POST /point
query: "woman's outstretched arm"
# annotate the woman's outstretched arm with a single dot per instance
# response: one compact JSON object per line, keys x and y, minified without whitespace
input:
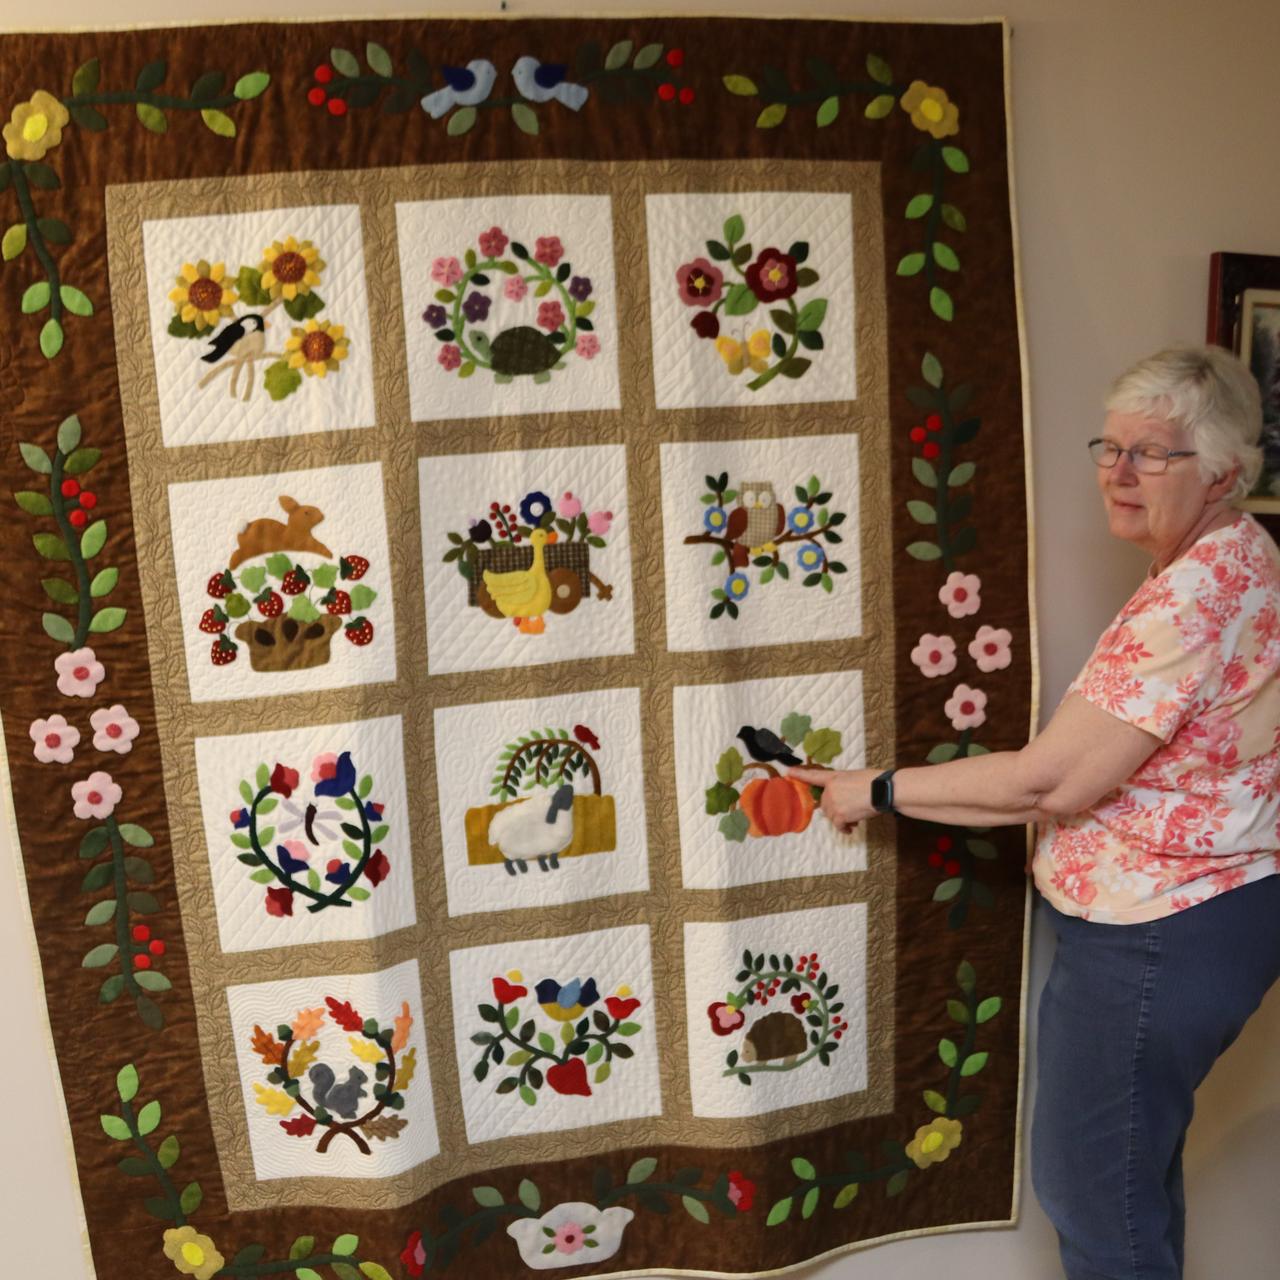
{"x":1083,"y":753}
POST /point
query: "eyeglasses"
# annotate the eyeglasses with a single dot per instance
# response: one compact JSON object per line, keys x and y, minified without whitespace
{"x":1150,"y":459}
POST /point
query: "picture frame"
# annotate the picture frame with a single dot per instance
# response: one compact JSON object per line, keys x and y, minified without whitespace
{"x":1244,"y":317}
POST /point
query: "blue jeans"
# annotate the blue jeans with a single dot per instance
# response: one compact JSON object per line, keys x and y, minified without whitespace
{"x":1131,"y":1019}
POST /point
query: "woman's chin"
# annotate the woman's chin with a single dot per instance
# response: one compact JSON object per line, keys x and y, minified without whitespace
{"x":1126,"y":521}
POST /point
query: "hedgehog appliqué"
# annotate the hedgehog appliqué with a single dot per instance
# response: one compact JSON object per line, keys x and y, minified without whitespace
{"x":777,"y":1037}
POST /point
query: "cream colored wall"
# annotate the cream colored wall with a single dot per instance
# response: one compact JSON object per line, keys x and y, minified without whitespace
{"x":1145,"y":138}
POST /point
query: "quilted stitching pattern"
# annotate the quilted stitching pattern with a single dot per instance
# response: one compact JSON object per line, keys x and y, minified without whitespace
{"x":780,"y":612}
{"x":461,"y":487}
{"x":441,"y":229}
{"x":276,"y":1154}
{"x":469,"y":742}
{"x":244,"y":924}
{"x":191,"y":414}
{"x":614,"y":958}
{"x":687,"y":373}
{"x":713,"y":955}
{"x":207,"y":516}
{"x":707,"y":720}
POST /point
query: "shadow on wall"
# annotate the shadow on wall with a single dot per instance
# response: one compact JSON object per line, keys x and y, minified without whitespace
{"x":1238,"y":1130}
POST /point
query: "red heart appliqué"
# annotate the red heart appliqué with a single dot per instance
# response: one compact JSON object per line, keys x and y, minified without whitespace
{"x":569,"y":1077}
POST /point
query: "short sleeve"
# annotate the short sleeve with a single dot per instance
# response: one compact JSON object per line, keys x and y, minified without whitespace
{"x":1160,"y":662}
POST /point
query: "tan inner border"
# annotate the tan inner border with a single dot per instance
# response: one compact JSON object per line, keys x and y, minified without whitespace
{"x":397,"y":443}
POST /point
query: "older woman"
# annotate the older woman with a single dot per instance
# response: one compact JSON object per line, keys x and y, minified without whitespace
{"x":1155,"y":789}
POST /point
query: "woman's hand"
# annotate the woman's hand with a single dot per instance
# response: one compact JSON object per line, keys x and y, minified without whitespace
{"x":846,"y":794}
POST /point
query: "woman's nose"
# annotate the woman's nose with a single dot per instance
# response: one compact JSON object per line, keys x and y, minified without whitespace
{"x":1124,"y":472}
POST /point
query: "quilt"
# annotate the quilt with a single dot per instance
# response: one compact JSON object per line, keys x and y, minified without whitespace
{"x":401,"y":666}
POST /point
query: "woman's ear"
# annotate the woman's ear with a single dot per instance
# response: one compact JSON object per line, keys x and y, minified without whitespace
{"x":1223,"y":485}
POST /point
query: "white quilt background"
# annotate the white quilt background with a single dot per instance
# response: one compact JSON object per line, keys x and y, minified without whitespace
{"x":469,"y":740}
{"x":341,"y":400}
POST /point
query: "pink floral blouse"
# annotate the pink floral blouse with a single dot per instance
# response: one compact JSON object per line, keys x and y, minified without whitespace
{"x":1193,"y":658}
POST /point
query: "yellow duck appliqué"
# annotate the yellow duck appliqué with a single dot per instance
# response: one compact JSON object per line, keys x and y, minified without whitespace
{"x":524,"y":594}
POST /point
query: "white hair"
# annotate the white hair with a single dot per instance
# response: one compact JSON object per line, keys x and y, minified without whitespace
{"x":1212,"y":394}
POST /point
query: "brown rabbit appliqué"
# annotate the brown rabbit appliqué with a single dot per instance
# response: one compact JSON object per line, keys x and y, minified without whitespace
{"x":263,"y":535}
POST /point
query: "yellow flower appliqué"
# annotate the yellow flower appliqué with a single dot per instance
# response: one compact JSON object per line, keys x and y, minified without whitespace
{"x":35,"y":126}
{"x":192,"y":1253}
{"x":290,"y":269}
{"x":318,"y":348}
{"x":930,"y":109}
{"x":202,"y":297}
{"x":934,"y":1141}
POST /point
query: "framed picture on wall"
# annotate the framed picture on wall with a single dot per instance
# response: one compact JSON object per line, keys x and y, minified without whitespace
{"x":1244,"y":316}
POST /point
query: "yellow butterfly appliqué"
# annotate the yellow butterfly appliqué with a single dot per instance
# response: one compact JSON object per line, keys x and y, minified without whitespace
{"x":737,"y":356}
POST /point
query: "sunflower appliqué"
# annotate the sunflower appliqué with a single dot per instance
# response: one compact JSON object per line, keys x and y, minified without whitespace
{"x":232,"y":313}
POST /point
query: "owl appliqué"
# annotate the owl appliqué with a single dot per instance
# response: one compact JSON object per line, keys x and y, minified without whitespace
{"x":757,"y":519}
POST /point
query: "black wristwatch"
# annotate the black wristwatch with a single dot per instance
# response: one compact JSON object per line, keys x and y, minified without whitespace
{"x":882,"y":792}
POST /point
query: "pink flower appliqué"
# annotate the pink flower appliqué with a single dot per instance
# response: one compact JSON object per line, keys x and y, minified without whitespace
{"x":324,"y":766}
{"x":700,"y":283}
{"x":548,"y":250}
{"x":79,"y":673}
{"x":446,"y":271}
{"x":569,"y":506}
{"x":297,"y":851}
{"x":54,"y":739}
{"x":569,"y":1238}
{"x":966,"y":707}
{"x":515,"y":288}
{"x":114,"y":729}
{"x":599,"y":521}
{"x":961,"y":593}
{"x":550,"y":316}
{"x":588,"y":346}
{"x":96,"y":797}
{"x":450,"y":357}
{"x":492,"y":242}
{"x":935,"y":655}
{"x":990,"y":648}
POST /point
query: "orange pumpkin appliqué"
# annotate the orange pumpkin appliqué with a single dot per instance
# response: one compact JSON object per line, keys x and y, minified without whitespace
{"x":775,"y":806}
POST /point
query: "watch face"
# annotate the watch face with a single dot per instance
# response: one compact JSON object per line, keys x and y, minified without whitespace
{"x":880,"y":800}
